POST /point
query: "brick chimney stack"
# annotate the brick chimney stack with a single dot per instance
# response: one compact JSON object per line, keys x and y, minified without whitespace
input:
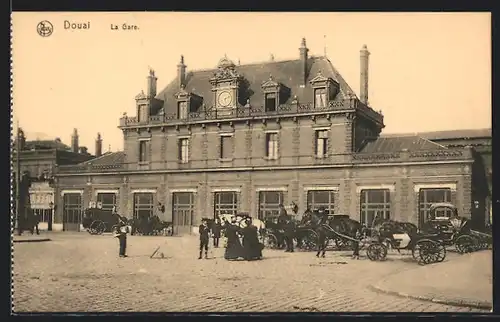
{"x":363,"y":91}
{"x":181,"y":72}
{"x":74,"y":141}
{"x":98,"y":145}
{"x":22,"y":139}
{"x":303,"y":58}
{"x":152,"y":83}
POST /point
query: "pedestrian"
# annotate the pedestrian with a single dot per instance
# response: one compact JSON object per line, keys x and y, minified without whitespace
{"x":252,"y":248}
{"x":204,"y":238}
{"x":234,"y":249}
{"x":358,"y":238}
{"x":216,"y":230}
{"x":289,"y":234}
{"x":121,"y":234}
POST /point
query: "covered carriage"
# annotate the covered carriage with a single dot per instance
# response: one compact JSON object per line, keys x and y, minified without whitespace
{"x":455,"y":230}
{"x":98,"y":221}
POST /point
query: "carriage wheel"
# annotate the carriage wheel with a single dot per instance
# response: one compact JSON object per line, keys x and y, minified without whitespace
{"x":270,"y":241}
{"x":428,"y":251}
{"x":98,"y":226}
{"x":465,"y":244}
{"x":376,"y":252}
{"x":310,"y":240}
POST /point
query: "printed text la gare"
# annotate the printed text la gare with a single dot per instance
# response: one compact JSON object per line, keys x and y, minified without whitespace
{"x":124,"y":26}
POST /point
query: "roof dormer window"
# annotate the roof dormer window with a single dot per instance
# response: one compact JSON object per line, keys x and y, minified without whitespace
{"x":186,"y":103}
{"x":270,"y":103}
{"x":272,"y":90}
{"x":182,"y":110}
{"x":325,"y":90}
{"x":320,"y":99}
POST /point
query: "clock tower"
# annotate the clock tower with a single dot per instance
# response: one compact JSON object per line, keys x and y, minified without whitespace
{"x":225,"y":85}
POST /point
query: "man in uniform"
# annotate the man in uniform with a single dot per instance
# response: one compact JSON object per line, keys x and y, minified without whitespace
{"x":204,"y":232}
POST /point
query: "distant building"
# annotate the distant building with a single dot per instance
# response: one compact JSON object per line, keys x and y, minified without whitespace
{"x":249,"y":137}
{"x":38,"y":158}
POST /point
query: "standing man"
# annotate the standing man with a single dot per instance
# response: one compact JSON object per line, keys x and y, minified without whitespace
{"x":121,"y":234}
{"x":289,"y":234}
{"x":216,"y":230}
{"x":204,"y":238}
{"x":282,"y":215}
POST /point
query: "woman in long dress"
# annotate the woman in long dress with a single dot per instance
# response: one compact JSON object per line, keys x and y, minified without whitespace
{"x":251,"y":245}
{"x":233,"y":248}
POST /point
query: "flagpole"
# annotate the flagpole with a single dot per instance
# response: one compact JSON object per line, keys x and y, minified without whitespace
{"x":18,"y":174}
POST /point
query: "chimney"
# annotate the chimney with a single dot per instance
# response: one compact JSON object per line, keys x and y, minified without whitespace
{"x":181,"y":72}
{"x":22,"y":139}
{"x":74,"y":141}
{"x":98,"y":145}
{"x":152,"y":83}
{"x":303,"y":58}
{"x":363,"y":91}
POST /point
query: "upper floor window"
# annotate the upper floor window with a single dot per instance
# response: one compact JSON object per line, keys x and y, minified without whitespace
{"x":142,"y":115}
{"x":321,"y":143}
{"x":143,"y":151}
{"x":320,"y":97}
{"x":182,"y":110}
{"x":272,"y":145}
{"x":184,"y":150}
{"x":226,"y":147}
{"x":270,"y":103}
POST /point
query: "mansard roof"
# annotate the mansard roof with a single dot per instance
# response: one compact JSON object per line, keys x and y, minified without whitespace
{"x":288,"y":73}
{"x":391,"y":144}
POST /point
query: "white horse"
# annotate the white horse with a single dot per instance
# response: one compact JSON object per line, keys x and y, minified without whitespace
{"x":241,"y":222}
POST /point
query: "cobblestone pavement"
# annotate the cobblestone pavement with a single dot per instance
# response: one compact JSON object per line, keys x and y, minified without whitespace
{"x":80,"y":272}
{"x":474,"y":290}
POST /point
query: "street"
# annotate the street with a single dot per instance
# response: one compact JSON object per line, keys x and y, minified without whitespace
{"x":79,"y":272}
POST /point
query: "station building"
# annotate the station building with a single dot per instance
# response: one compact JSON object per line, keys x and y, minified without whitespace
{"x":245,"y":138}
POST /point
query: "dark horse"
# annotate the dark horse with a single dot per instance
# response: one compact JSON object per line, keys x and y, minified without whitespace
{"x":336,"y":227}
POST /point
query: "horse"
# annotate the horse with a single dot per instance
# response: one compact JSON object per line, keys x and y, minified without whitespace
{"x":338,"y":228}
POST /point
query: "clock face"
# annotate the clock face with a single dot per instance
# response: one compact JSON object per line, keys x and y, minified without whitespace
{"x":225,"y":98}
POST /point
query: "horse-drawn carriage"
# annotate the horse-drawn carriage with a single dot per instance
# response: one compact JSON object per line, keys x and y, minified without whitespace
{"x":455,"y":230}
{"x":150,"y":226}
{"x":426,"y":248}
{"x":98,"y":221}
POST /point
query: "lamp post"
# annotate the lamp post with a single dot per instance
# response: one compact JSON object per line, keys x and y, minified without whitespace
{"x":51,"y":217}
{"x":18,"y":177}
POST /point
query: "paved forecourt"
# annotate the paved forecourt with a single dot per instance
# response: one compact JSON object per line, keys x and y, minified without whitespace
{"x":80,"y":272}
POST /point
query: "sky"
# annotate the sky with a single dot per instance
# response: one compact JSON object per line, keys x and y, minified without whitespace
{"x":428,"y":71}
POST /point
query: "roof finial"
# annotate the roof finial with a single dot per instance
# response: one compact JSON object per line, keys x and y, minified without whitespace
{"x":239,"y":63}
{"x":182,"y":59}
{"x":272,"y":57}
{"x":303,"y":43}
{"x":109,"y":148}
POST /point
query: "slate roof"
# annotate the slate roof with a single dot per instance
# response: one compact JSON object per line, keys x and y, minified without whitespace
{"x":286,"y":72}
{"x":400,"y":143}
{"x":447,"y":135}
{"x":456,"y":134}
{"x":108,"y":158}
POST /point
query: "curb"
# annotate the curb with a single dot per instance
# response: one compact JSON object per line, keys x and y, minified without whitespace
{"x":32,"y":240}
{"x":461,"y":303}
